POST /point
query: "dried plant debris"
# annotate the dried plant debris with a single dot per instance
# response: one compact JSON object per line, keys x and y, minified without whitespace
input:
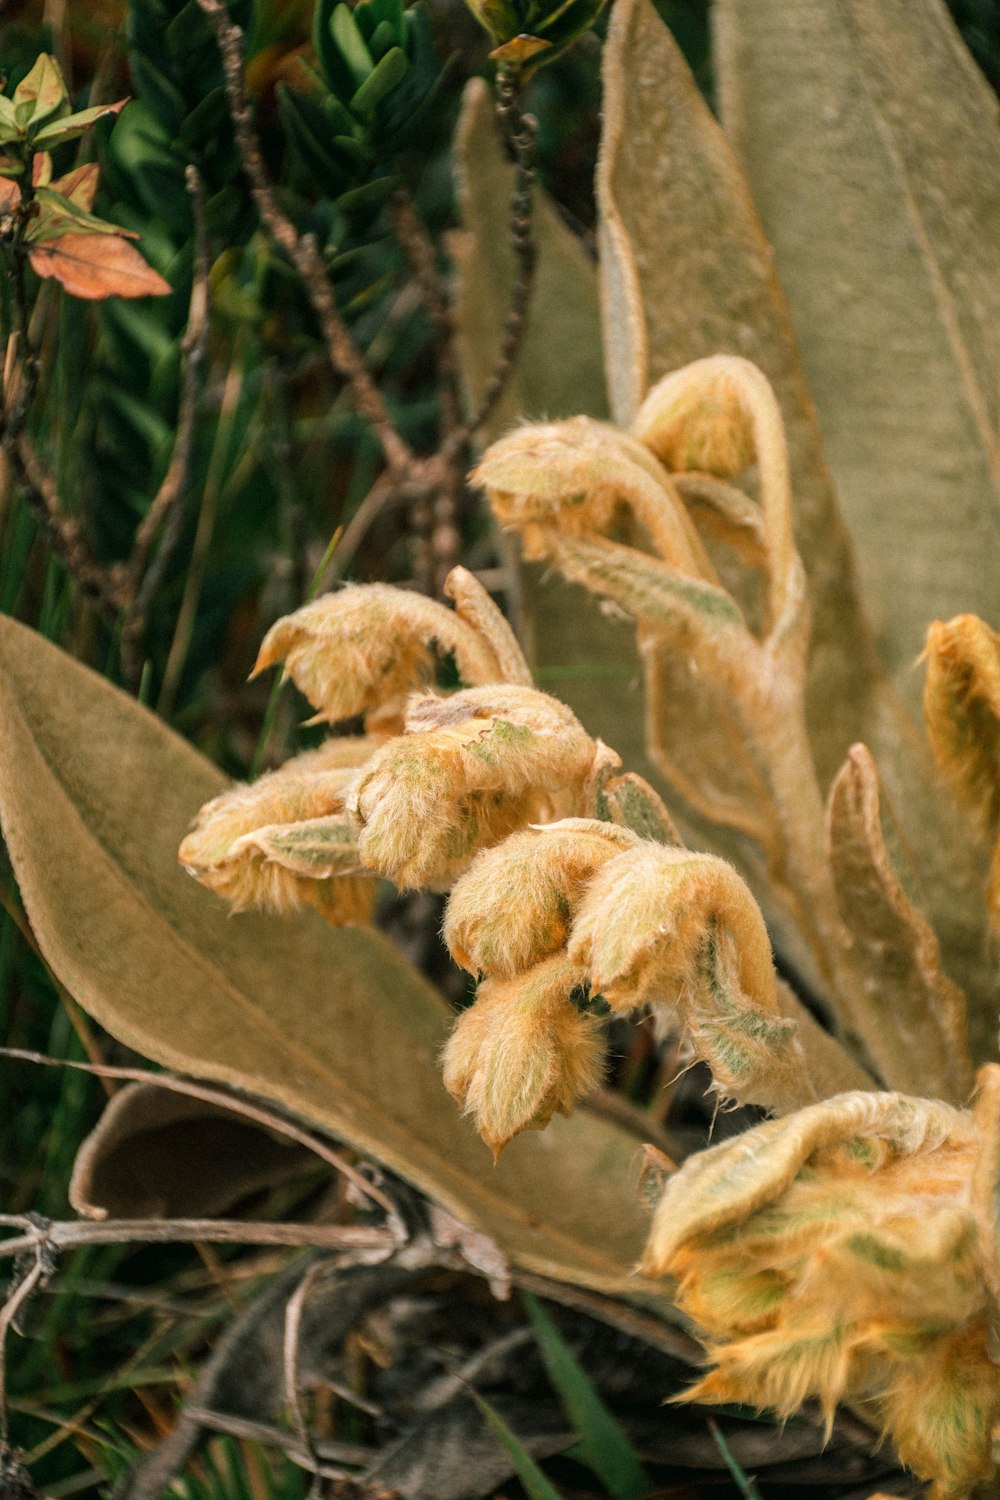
{"x":427,"y":1339}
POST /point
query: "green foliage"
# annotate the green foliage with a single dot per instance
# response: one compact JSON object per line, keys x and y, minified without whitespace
{"x":604,"y":1447}
{"x":377,"y":78}
{"x":536,"y":1486}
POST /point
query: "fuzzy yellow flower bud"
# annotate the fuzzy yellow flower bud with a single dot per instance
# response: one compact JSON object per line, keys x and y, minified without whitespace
{"x":572,"y":478}
{"x":286,"y":841}
{"x":839,"y":1253}
{"x":514,"y":904}
{"x":698,"y":417}
{"x":368,"y":646}
{"x":681,"y":932}
{"x":523,"y":1052}
{"x":469,"y":770}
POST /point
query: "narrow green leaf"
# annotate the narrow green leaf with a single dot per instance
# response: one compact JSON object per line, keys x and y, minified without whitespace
{"x":604,"y":1446}
{"x":381,"y":80}
{"x":382,"y":39}
{"x":352,"y":44}
{"x":536,"y":1485}
{"x":746,"y":1486}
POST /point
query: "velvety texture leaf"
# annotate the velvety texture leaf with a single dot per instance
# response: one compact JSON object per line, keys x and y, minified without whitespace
{"x":871,"y":145}
{"x":686,"y":273}
{"x":95,"y":795}
{"x":558,"y":371}
{"x":156,"y":1154}
{"x":916,"y":1013}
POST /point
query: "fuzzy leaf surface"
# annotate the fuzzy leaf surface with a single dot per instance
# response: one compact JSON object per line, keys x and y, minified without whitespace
{"x":871,"y":144}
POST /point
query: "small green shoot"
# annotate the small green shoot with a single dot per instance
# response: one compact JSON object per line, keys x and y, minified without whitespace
{"x":746,"y":1486}
{"x":604,"y":1447}
{"x":536,"y":1485}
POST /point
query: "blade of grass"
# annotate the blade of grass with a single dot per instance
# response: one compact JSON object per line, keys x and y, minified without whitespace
{"x":746,"y":1486}
{"x":536,"y":1486}
{"x":604,"y":1447}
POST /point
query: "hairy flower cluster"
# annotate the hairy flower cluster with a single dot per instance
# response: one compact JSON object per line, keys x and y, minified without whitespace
{"x":849,"y":1251}
{"x":583,"y":908}
{"x":435,"y":778}
{"x":848,"y":1248}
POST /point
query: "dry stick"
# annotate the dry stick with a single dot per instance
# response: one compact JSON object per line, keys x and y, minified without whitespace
{"x":8,"y":1313}
{"x":166,"y":511}
{"x":421,"y":257}
{"x":521,"y":129}
{"x":290,"y":1365}
{"x":302,"y":250}
{"x":69,"y":1234}
{"x":102,"y":585}
{"x":277,"y":1437}
{"x":266,"y":1118}
{"x":433,"y":533}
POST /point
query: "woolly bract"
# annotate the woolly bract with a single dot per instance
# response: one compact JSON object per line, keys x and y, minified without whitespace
{"x":839,"y":1254}
{"x":523,"y":1052}
{"x":962,"y":712}
{"x":368,"y":646}
{"x":468,"y":770}
{"x":514,"y":904}
{"x":285,"y":840}
{"x":571,"y":479}
{"x":702,"y":417}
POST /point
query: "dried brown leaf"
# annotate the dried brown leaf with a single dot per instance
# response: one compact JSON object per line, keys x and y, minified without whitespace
{"x":96,"y":266}
{"x":154,"y":1154}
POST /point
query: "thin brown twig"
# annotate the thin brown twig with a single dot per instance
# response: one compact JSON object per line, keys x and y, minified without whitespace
{"x":326,"y":1451}
{"x":421,"y":257}
{"x":266,"y":1118}
{"x":165,"y":514}
{"x":521,"y":130}
{"x":102,"y":584}
{"x":302,"y":250}
{"x":18,"y":1297}
{"x":70,"y":1234}
{"x":291,"y":1334}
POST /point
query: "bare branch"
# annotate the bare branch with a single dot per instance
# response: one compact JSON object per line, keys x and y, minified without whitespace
{"x":102,"y":584}
{"x":302,"y":250}
{"x":70,"y":1234}
{"x":290,"y":1363}
{"x":521,"y":130}
{"x":18,"y":1297}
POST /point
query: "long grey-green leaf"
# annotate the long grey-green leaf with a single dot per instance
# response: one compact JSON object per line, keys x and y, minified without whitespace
{"x":686,"y":272}
{"x":871,"y":143}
